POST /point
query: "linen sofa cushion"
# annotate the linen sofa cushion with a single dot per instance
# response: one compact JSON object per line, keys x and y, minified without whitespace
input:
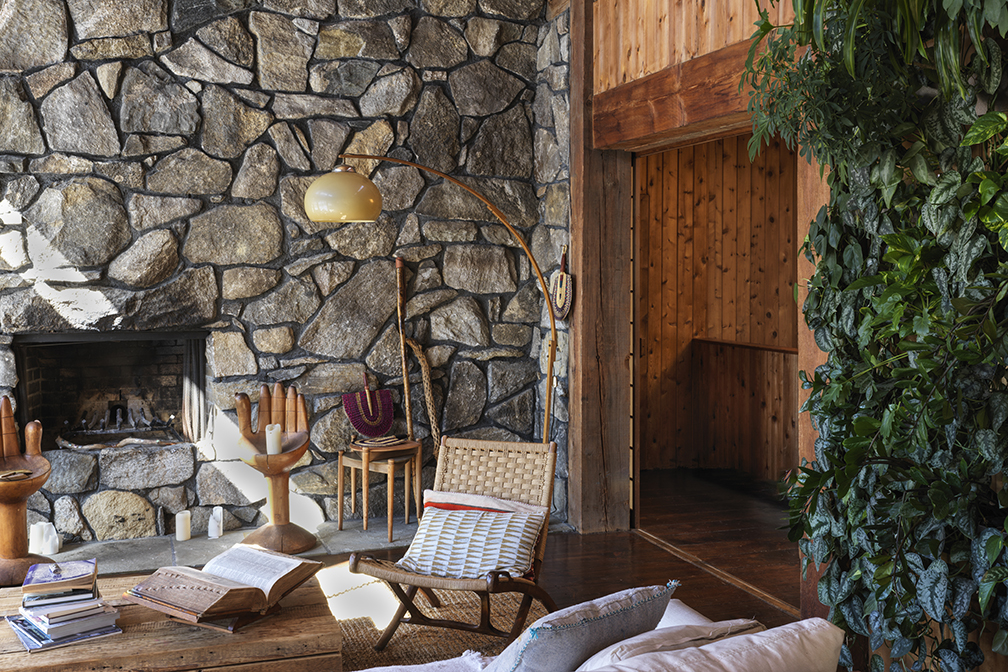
{"x":561,"y":641}
{"x":467,"y":544}
{"x":678,"y":613}
{"x":812,"y":645}
{"x":670,"y":639}
{"x":441,"y":499}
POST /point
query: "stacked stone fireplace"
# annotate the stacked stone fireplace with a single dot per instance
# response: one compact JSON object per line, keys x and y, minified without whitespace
{"x":153,"y":160}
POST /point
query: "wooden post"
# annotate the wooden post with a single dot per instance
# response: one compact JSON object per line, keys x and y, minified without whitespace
{"x":598,"y":440}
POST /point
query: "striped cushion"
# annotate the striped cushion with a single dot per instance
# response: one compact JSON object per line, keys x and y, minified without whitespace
{"x":467,"y":544}
{"x":442,"y":499}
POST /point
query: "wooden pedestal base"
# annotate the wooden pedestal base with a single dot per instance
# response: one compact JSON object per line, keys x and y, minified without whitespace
{"x":286,"y":538}
{"x":13,"y":570}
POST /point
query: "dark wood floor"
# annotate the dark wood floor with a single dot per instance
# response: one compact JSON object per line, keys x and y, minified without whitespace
{"x":723,"y":545}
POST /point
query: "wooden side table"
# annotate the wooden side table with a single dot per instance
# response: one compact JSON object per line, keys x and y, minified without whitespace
{"x":280,"y":534}
{"x":25,"y":474}
{"x":380,"y":459}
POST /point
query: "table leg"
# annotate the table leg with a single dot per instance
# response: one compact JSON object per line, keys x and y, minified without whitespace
{"x":389,"y":489}
{"x":353,"y":490}
{"x":417,"y":485}
{"x":407,"y":468}
{"x":365,"y":479}
{"x":339,"y":488}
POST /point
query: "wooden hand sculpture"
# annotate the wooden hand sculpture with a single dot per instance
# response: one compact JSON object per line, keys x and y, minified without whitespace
{"x":279,"y":534}
{"x":21,"y":475}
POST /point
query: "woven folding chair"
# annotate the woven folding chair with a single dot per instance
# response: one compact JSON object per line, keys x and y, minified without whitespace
{"x":517,"y":471}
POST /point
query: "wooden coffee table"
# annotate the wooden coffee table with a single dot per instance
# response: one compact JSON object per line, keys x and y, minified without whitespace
{"x":302,"y":637}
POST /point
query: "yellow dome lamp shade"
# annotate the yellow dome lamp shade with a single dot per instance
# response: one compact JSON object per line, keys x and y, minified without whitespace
{"x":343,"y":195}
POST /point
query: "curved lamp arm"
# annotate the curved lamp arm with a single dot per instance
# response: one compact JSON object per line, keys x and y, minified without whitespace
{"x":521,"y":241}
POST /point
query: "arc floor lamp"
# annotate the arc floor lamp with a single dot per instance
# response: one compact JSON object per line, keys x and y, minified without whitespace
{"x":344,"y":195}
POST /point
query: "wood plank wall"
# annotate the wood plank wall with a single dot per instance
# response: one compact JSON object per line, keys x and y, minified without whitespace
{"x":715,"y":241}
{"x":635,"y":38}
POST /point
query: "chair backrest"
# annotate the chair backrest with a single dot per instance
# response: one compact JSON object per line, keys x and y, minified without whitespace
{"x":521,"y":472}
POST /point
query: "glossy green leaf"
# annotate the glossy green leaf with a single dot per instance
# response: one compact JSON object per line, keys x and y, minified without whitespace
{"x":985,"y":128}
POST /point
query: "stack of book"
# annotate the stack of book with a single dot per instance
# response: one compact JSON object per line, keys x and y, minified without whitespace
{"x":60,"y":605}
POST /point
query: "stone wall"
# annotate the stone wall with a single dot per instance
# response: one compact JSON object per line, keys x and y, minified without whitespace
{"x":153,"y":160}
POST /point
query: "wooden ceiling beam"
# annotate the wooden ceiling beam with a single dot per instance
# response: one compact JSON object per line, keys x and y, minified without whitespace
{"x":683,"y":104}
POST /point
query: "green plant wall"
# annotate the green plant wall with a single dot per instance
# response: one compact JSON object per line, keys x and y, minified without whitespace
{"x":904,"y":504}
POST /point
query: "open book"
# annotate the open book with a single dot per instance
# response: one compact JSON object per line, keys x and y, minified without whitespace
{"x":243,"y":580}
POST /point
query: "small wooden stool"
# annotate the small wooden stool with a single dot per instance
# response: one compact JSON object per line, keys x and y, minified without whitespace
{"x":383,"y":460}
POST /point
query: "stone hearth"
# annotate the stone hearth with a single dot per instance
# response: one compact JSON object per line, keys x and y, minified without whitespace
{"x":153,"y":161}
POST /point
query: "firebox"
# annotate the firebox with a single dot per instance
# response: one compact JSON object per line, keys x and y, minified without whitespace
{"x":103,"y":388}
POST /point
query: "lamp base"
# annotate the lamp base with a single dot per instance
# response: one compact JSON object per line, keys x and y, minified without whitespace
{"x":286,"y":538}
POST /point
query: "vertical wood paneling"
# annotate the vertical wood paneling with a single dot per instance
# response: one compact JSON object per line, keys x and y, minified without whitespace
{"x":634,"y":38}
{"x":717,"y":264}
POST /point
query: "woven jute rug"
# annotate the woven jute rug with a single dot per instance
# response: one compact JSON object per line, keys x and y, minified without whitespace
{"x":351,"y":595}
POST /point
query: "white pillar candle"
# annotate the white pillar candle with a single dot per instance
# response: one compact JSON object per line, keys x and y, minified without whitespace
{"x":215,"y":526}
{"x":50,"y":540}
{"x":272,"y":439}
{"x":183,"y":525}
{"x":35,"y":537}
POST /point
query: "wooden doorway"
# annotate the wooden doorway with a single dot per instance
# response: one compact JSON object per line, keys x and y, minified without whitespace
{"x":715,"y":341}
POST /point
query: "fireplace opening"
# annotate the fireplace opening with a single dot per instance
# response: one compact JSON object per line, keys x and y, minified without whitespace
{"x":92,"y":390}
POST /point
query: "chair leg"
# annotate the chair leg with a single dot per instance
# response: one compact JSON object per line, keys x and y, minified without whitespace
{"x":353,"y":490}
{"x":519,"y":622}
{"x":398,"y":617}
{"x":390,"y":483}
{"x":365,"y":484}
{"x":417,"y":485}
{"x":432,"y":598}
{"x":339,"y":488}
{"x":406,"y":486}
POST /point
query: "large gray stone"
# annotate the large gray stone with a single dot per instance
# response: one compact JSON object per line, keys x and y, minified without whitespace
{"x":506,"y":377}
{"x":61,"y":164}
{"x":524,"y":307}
{"x":245,"y":282}
{"x":516,"y":199}
{"x":257,"y":177}
{"x":108,"y":48}
{"x":480,"y":269}
{"x":330,"y":378}
{"x":450,"y":232}
{"x":364,"y":240}
{"x":467,"y":395}
{"x":117,"y":18}
{"x":42,"y":82}
{"x":171,"y":498}
{"x":516,"y":414}
{"x":131,"y":467}
{"x":485,"y":36}
{"x":353,"y":315}
{"x":312,"y":9}
{"x":422,"y":303}
{"x":393,"y":95}
{"x":385,"y":358}
{"x":375,"y":140}
{"x":292,"y":193}
{"x":76,"y":119}
{"x":187,"y":14}
{"x":489,"y":155}
{"x":139,"y":145}
{"x":303,"y":105}
{"x":221,"y":483}
{"x":277,"y":340}
{"x":19,"y":130}
{"x":33,"y":34}
{"x":196,"y":61}
{"x":512,"y":9}
{"x":152,"y":102}
{"x":151,"y":259}
{"x":519,"y":58}
{"x":327,"y":137}
{"x":306,"y":263}
{"x":147,"y":212}
{"x":115,"y":514}
{"x":399,"y":185}
{"x":230,"y":125}
{"x":331,"y":275}
{"x":449,"y":7}
{"x":348,"y":77}
{"x":282,"y":52}
{"x":68,"y":520}
{"x":189,"y":172}
{"x":357,"y":39}
{"x":368,"y":9}
{"x":318,"y":480}
{"x":229,"y":38}
{"x":434,"y":133}
{"x":188,"y":300}
{"x":436,"y":44}
{"x":333,"y":432}
{"x":461,"y":321}
{"x":295,"y":300}
{"x":481,"y":88}
{"x":83,"y":219}
{"x":547,"y":153}
{"x":70,"y":472}
{"x":290,"y":150}
{"x":235,"y":234}
{"x":228,"y":355}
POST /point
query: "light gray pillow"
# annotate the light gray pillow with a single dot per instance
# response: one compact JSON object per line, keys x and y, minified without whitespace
{"x":561,"y":641}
